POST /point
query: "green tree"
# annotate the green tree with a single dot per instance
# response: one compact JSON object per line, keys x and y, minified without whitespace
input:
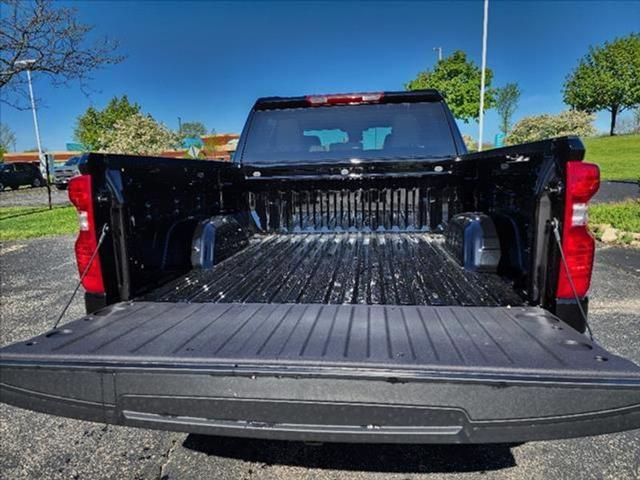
{"x":607,"y":78}
{"x":458,"y":79}
{"x":94,"y":124}
{"x":7,"y":138}
{"x":192,"y":129}
{"x":507,"y":98}
{"x":138,"y":134}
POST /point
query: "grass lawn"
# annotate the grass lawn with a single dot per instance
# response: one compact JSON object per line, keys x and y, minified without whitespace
{"x":618,"y":156}
{"x":624,"y":216}
{"x":18,"y":223}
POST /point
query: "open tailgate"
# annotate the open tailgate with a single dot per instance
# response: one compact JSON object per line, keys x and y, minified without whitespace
{"x":315,"y":372}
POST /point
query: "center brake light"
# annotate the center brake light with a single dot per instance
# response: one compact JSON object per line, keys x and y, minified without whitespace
{"x":80,"y":194}
{"x":582,"y":182}
{"x":344,"y":99}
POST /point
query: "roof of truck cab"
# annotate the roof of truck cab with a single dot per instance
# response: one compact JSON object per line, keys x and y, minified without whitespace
{"x":427,"y":95}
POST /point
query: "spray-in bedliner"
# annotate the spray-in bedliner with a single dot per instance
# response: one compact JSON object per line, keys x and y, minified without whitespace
{"x":341,"y":268}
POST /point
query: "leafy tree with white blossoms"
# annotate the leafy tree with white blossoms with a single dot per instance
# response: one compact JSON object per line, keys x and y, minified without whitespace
{"x":139,"y":134}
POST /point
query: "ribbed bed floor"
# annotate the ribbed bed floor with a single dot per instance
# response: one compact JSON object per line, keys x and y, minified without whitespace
{"x":342,"y":268}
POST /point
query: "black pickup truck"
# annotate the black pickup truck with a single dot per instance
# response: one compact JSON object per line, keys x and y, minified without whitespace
{"x":353,"y":275}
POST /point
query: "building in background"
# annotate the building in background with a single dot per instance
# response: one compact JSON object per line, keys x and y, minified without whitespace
{"x":219,"y":146}
{"x":58,"y":156}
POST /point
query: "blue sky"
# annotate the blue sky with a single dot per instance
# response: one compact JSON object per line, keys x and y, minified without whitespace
{"x":209,"y":61}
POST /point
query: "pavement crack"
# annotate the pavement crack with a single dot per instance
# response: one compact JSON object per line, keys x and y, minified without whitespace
{"x":162,"y":474}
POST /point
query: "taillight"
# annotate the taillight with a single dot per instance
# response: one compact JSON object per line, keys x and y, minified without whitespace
{"x":80,"y":194}
{"x":344,"y":98}
{"x":583,"y":180}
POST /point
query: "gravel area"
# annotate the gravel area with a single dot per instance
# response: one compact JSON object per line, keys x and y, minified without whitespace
{"x":36,"y":278}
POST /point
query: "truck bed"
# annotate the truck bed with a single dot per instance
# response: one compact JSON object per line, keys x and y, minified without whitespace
{"x":341,"y":268}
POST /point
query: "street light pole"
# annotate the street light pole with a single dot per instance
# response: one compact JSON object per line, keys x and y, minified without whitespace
{"x":35,"y":119}
{"x":44,"y":164}
{"x":439,"y":50}
{"x":485,"y":25}
{"x":27,"y":63}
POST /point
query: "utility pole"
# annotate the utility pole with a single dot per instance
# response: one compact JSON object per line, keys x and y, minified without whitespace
{"x":179,"y":124}
{"x":439,"y":50}
{"x":44,"y":164}
{"x":485,"y":24}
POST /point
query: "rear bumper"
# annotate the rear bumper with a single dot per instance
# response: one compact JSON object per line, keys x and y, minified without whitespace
{"x":327,"y":405}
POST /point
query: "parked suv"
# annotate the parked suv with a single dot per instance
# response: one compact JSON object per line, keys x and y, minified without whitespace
{"x":15,"y":175}
{"x":66,"y":172}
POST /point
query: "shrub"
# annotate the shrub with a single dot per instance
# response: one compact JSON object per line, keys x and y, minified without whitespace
{"x":540,"y":127}
{"x":139,"y":134}
{"x":621,"y":215}
{"x":470,"y":142}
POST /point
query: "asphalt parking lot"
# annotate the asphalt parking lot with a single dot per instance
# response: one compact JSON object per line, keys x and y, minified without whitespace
{"x":36,"y":278}
{"x":616,"y":191}
{"x":32,"y":197}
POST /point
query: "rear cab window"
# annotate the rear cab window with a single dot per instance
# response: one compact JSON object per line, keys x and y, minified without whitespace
{"x":368,"y":132}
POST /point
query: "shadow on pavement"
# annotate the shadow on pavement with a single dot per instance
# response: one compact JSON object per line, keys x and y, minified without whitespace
{"x":359,"y":457}
{"x":32,"y":212}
